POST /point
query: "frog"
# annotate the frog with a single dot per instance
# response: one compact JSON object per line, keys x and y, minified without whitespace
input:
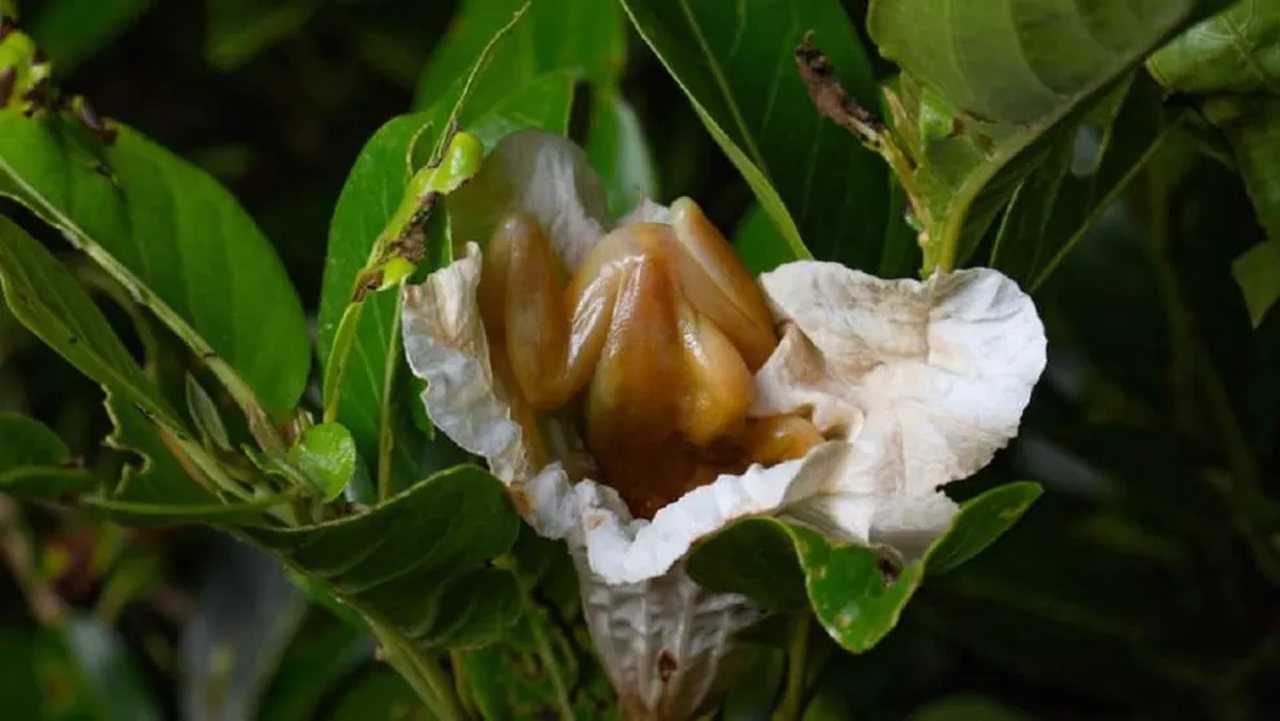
{"x":653,"y":341}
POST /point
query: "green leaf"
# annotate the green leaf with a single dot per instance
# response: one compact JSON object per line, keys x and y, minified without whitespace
{"x":48,"y":301}
{"x":313,"y":666}
{"x":585,"y":36}
{"x":735,"y":62}
{"x":758,"y":242}
{"x":237,"y":30}
{"x":141,"y":513}
{"x":28,"y":442}
{"x":783,"y":567}
{"x":1054,"y":207}
{"x":375,"y":187}
{"x":379,"y":694}
{"x":542,"y":667}
{"x":204,"y":413}
{"x":979,"y":523}
{"x":34,"y":462}
{"x":1231,"y":64}
{"x":45,"y":297}
{"x":967,"y":708}
{"x":177,"y":241}
{"x":1257,"y":272}
{"x":71,"y":31}
{"x":416,"y":563}
{"x":18,"y":683}
{"x":327,"y":455}
{"x":1001,"y":70}
{"x":619,"y":152}
{"x":155,"y":475}
{"x":1231,"y":52}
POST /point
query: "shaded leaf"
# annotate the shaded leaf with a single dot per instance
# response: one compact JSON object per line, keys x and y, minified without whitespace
{"x":735,"y":62}
{"x":237,"y":30}
{"x":154,"y":475}
{"x":1054,"y":207}
{"x":999,"y":70}
{"x":28,"y":442}
{"x":45,"y":297}
{"x":175,"y":239}
{"x":584,"y":36}
{"x":310,"y":670}
{"x":848,"y":587}
{"x":48,"y":301}
{"x":1230,"y":63}
{"x":758,"y":242}
{"x":619,"y":152}
{"x":140,"y":513}
{"x":979,"y":523}
{"x":34,"y":462}
{"x":967,"y":708}
{"x":71,"y":31}
{"x":1257,"y":272}
{"x":417,"y":561}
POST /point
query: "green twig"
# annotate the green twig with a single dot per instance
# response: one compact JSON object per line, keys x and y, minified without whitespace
{"x":794,"y":695}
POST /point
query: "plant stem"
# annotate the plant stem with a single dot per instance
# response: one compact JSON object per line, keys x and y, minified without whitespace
{"x":424,"y":674}
{"x":791,"y":707}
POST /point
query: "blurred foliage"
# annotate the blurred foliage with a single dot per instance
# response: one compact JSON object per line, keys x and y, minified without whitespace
{"x":1142,"y":585}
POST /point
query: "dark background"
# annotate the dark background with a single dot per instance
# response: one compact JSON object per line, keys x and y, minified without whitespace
{"x":1143,"y":585}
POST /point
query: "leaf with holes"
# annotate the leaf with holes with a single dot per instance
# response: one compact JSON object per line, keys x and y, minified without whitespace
{"x":177,"y":240}
{"x":48,"y":301}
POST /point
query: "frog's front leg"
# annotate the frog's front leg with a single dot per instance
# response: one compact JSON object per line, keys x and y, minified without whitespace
{"x":551,"y":342}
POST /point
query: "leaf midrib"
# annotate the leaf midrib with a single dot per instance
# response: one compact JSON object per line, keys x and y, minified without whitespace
{"x":1023,"y":139}
{"x":723,"y":84}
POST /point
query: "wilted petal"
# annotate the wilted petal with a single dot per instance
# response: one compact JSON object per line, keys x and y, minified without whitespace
{"x":927,"y":380}
{"x":666,"y":643}
{"x":445,"y":344}
{"x":543,"y":175}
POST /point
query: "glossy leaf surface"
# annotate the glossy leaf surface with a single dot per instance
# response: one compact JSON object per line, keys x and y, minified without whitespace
{"x":824,"y":193}
{"x":174,"y":237}
{"x":847,"y":586}
{"x":997,"y":71}
{"x":417,"y":562}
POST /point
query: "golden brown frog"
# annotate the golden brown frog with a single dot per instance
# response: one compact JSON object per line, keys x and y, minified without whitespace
{"x":664,"y":327}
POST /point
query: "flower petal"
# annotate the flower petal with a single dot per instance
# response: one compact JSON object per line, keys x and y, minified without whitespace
{"x":927,"y":380}
{"x":445,"y":344}
{"x":622,"y":550}
{"x":666,"y":643}
{"x":541,"y":174}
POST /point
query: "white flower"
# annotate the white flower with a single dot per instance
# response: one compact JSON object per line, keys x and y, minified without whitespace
{"x":915,"y":384}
